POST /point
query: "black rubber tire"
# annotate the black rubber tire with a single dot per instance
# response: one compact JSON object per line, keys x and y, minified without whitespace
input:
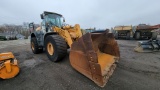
{"x":116,"y":35}
{"x":137,"y":36}
{"x":60,"y":47}
{"x":128,"y":36}
{"x":36,"y":47}
{"x":154,"y":35}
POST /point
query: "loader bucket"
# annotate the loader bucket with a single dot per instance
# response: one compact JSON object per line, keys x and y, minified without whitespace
{"x":95,"y":56}
{"x":148,"y":46}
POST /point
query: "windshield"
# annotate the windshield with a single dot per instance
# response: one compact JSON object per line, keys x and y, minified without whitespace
{"x":54,"y":19}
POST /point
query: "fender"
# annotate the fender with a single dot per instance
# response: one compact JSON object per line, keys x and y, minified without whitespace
{"x":48,"y":33}
{"x":39,"y":36}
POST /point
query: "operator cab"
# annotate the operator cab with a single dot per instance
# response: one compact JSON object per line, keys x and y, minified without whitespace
{"x":51,"y":19}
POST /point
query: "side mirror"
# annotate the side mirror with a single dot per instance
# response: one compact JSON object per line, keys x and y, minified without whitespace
{"x":63,"y":19}
{"x":42,"y":16}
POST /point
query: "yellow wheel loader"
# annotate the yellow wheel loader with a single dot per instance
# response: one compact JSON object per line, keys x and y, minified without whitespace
{"x":8,"y":66}
{"x":94,"y":54}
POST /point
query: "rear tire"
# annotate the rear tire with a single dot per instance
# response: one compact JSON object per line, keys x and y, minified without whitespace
{"x":128,"y":36}
{"x":34,"y":46}
{"x":55,"y":47}
{"x":137,"y":36}
{"x":154,"y":35}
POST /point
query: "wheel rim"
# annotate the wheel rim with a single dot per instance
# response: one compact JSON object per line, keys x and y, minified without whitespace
{"x":50,"y":48}
{"x":32,"y":46}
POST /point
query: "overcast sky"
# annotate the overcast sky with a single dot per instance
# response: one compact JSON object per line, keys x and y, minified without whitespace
{"x":87,"y":13}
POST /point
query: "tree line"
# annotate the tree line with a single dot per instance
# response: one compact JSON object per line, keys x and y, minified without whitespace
{"x":12,"y":29}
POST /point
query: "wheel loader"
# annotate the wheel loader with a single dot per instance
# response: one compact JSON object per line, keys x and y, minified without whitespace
{"x":94,"y":55}
{"x":8,"y":66}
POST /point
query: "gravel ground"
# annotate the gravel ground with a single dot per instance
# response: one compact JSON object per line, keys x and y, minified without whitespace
{"x":135,"y":71}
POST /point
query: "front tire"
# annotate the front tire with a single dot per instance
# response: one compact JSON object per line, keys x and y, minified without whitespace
{"x":128,"y":36}
{"x":154,"y":35}
{"x":116,"y":35}
{"x":137,"y":36}
{"x":55,"y":47}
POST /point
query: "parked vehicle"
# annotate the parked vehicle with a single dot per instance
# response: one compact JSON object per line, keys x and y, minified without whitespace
{"x":144,"y":31}
{"x":123,"y":32}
